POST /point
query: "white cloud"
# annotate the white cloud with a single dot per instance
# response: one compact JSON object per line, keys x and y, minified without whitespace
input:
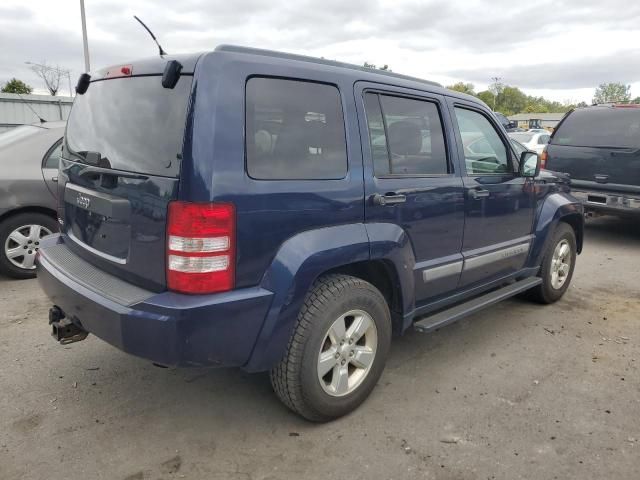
{"x":562,"y":48}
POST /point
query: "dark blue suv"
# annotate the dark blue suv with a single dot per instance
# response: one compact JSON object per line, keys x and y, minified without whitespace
{"x":281,"y":213}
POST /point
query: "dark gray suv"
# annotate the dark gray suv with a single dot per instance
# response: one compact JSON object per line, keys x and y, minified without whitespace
{"x":29,"y":157}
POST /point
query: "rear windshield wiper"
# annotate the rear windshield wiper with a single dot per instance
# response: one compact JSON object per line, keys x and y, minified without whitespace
{"x":89,"y":170}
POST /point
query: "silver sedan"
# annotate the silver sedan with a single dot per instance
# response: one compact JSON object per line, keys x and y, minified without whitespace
{"x":29,"y":157}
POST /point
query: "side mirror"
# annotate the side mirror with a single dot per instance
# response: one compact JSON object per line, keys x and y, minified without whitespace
{"x":529,"y":164}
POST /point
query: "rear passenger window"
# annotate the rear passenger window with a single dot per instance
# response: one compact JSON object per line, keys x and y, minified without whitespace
{"x":295,"y":130}
{"x":53,"y":155}
{"x":406,"y":136}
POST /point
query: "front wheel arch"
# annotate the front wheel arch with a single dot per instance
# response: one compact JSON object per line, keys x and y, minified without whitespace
{"x":576,"y":221}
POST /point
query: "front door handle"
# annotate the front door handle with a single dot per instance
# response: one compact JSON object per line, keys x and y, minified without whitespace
{"x":388,"y":199}
{"x":479,"y":193}
{"x":54,"y":179}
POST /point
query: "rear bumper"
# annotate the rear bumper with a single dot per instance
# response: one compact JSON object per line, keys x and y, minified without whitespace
{"x":608,"y":202}
{"x":166,"y":328}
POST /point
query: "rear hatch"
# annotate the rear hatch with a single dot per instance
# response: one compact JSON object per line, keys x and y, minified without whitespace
{"x":599,"y":147}
{"x":120,"y":168}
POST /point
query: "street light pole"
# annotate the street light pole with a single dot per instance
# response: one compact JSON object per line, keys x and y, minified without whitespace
{"x":85,"y":43}
{"x":496,"y":83}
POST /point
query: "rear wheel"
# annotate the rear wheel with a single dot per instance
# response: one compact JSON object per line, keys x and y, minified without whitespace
{"x":20,"y":237}
{"x":338,"y":349}
{"x":557,"y":266}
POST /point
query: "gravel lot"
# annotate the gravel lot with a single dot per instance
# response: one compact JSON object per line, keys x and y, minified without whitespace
{"x":517,"y":391}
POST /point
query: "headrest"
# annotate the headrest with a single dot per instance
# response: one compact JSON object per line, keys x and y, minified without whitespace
{"x":405,"y":138}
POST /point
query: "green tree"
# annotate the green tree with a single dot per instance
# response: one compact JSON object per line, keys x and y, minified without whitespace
{"x":487,"y":97}
{"x":463,"y":88}
{"x":612,"y":92}
{"x":16,"y":86}
{"x":510,"y":100}
{"x":636,"y":100}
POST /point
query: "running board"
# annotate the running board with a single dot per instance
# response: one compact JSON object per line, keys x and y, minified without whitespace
{"x":457,"y":312}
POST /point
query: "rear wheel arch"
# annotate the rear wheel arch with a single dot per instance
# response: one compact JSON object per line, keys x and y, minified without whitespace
{"x":29,"y":209}
{"x":381,"y":274}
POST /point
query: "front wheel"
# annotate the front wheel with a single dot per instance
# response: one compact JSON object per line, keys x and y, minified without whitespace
{"x":557,"y":266}
{"x":337,"y":351}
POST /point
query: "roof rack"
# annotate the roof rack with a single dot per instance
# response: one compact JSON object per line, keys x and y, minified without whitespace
{"x":321,"y":61}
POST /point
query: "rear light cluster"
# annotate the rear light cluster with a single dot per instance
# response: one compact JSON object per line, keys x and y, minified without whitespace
{"x":543,"y":158}
{"x":201,"y":247}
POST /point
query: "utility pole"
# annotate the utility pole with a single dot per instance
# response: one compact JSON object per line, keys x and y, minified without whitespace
{"x":85,"y":43}
{"x":496,"y":87}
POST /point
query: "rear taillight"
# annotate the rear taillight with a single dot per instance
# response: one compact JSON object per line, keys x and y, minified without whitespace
{"x":543,"y":158}
{"x":201,"y":247}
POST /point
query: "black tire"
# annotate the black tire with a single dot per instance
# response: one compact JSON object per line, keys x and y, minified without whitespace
{"x":545,"y":292}
{"x":12,"y":223}
{"x":295,"y":379}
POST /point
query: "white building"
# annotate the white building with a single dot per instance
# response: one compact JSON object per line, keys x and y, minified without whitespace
{"x":544,"y":120}
{"x":19,"y":109}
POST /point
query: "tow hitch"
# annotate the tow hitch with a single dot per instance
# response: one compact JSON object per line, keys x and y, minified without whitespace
{"x":64,"y":330}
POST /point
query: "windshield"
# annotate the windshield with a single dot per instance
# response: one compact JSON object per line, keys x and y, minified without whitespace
{"x":131,"y":124}
{"x":18,"y":133}
{"x":600,"y":127}
{"x":521,"y":137}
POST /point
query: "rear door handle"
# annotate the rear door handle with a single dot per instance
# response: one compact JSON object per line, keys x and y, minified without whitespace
{"x":54,"y":179}
{"x":388,"y":199}
{"x":625,"y":153}
{"x":476,"y":194}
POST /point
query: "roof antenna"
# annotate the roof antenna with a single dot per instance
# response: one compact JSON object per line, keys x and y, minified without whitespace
{"x":160,"y":50}
{"x":42,"y":120}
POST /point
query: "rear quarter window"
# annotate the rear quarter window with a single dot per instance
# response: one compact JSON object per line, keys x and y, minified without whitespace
{"x":295,"y":130}
{"x":600,"y":127}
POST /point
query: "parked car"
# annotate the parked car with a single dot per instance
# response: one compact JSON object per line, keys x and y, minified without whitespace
{"x":29,"y":157}
{"x":518,"y":147}
{"x":509,"y":126}
{"x":288,"y":214}
{"x":599,"y":147}
{"x":532,"y":140}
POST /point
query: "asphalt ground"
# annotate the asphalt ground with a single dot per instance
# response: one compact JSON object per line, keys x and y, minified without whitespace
{"x":517,"y":391}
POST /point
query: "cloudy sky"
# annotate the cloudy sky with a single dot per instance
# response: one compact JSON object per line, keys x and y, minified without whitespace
{"x":559,"y":49}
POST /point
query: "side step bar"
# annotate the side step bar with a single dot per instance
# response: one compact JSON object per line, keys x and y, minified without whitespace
{"x":457,"y":312}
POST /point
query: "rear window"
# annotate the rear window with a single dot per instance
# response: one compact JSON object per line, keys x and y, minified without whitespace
{"x":295,"y":130}
{"x":133,"y":123}
{"x":600,"y":127}
{"x":501,"y":118}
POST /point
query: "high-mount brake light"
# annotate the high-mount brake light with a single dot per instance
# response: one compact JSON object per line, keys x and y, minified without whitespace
{"x":119,"y":71}
{"x":200,"y":247}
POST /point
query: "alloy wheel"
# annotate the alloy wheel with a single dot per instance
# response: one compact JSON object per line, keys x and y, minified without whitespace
{"x":347,"y":353}
{"x":560,"y":264}
{"x":23,"y":243}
